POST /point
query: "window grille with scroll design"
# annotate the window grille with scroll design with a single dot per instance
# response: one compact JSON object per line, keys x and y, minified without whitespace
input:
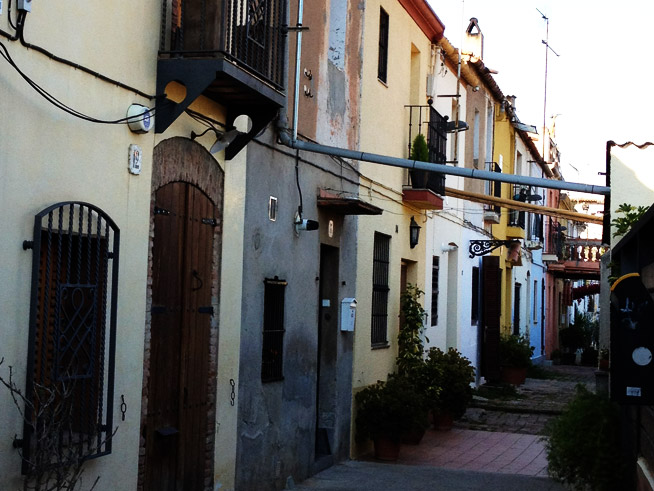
{"x":72,"y":335}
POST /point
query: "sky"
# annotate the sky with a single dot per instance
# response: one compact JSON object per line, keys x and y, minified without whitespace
{"x":599,"y":85}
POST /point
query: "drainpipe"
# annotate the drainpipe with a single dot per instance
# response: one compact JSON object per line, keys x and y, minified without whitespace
{"x":298,"y":61}
{"x":443,"y":169}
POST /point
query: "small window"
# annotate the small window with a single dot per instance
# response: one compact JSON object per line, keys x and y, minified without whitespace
{"x":272,"y":354}
{"x":382,"y":67}
{"x":72,"y":335}
{"x":434,"y":290}
{"x":380,"y":270}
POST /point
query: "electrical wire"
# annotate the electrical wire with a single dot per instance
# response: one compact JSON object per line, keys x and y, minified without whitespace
{"x":4,"y":52}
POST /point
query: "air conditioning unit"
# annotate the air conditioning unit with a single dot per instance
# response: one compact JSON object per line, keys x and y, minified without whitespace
{"x":533,"y":245}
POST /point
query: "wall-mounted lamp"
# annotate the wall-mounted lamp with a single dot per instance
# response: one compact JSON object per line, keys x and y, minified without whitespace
{"x":414,"y":233}
{"x":223,"y":139}
{"x":304,"y":224}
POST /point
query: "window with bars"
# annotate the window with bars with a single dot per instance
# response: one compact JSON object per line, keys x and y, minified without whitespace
{"x":72,"y":336}
{"x":434,"y":290}
{"x":380,"y":271}
{"x":382,"y":66}
{"x":272,"y":354}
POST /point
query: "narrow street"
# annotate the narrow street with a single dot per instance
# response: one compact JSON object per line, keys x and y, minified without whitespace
{"x":496,"y":446}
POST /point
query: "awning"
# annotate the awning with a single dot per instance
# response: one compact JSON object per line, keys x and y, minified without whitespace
{"x":346,"y":205}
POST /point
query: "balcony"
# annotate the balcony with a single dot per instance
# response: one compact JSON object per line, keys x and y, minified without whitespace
{"x":425,"y":189}
{"x":576,"y":258}
{"x":230,"y":51}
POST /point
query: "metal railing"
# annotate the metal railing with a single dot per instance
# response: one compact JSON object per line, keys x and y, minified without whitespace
{"x":248,"y":32}
{"x":429,"y":122}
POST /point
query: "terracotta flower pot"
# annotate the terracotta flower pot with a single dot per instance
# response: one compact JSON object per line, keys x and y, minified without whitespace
{"x":513,"y":375}
{"x":387,"y":448}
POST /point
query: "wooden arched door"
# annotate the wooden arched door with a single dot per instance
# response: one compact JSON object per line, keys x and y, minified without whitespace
{"x":177,"y":409}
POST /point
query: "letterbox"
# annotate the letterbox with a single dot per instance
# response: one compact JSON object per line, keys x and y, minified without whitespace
{"x":348,"y":313}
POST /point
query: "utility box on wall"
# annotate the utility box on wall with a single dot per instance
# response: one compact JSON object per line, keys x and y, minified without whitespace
{"x":632,"y":341}
{"x":348,"y":313}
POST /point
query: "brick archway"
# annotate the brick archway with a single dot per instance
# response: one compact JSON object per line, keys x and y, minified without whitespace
{"x":180,"y":160}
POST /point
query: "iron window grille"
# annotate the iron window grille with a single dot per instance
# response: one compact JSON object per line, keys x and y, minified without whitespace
{"x":382,"y":65}
{"x":434,"y":127}
{"x":434,"y":290}
{"x":380,"y":271}
{"x":248,"y":32}
{"x":72,"y":336}
{"x":272,"y":353}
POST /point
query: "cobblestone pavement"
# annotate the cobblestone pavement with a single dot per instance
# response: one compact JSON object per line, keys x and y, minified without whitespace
{"x":536,"y":402}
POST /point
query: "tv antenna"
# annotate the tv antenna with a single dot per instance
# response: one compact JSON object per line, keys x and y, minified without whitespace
{"x":547,"y":50}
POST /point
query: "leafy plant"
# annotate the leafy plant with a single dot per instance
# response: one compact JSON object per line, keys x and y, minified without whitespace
{"x":389,"y":408}
{"x":409,"y":339}
{"x":631,"y":214}
{"x":583,"y":444}
{"x":445,"y":381}
{"x":515,"y":351}
{"x":419,"y":149}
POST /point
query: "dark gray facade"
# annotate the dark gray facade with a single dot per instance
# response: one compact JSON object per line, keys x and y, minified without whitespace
{"x":300,"y":424}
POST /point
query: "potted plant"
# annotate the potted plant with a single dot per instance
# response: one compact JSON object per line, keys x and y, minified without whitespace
{"x":419,"y":152}
{"x":386,"y":411}
{"x":410,"y":349}
{"x":515,"y":358}
{"x":445,"y":382}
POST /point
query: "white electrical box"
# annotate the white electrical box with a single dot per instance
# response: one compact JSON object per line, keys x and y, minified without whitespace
{"x":348,"y":313}
{"x":25,"y":5}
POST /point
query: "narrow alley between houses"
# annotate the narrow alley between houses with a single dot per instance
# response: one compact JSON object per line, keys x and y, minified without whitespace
{"x":497,"y":445}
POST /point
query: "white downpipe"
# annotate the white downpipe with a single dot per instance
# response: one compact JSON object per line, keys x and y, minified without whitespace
{"x":298,"y":61}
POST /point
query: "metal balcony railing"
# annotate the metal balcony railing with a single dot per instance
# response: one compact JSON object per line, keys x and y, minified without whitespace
{"x":248,"y":32}
{"x":517,"y":218}
{"x":427,"y":121}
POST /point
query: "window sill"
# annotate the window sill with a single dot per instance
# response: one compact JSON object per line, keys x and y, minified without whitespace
{"x":385,"y":84}
{"x":380,"y":346}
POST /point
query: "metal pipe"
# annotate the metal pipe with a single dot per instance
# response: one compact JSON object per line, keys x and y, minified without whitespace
{"x":298,"y":61}
{"x":443,"y":169}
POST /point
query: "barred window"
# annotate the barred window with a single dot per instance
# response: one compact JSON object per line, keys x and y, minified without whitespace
{"x":434,"y":290}
{"x":272,"y":355}
{"x":380,"y":269}
{"x":72,"y":336}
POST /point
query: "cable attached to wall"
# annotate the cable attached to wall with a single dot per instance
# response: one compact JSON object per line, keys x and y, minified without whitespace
{"x":19,"y":27}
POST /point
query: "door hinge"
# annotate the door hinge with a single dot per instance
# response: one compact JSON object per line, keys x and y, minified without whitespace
{"x":161,"y":211}
{"x":210,"y":221}
{"x":205,"y":310}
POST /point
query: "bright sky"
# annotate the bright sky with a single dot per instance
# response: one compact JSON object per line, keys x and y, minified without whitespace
{"x":600,"y":85}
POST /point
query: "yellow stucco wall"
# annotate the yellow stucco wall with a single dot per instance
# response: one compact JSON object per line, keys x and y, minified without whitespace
{"x":48,"y":156}
{"x":386,"y":132}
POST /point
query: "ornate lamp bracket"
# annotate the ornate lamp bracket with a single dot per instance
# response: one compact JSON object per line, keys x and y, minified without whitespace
{"x":482,"y":247}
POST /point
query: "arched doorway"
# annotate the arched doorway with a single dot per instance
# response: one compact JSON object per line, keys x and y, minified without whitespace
{"x":178,"y":411}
